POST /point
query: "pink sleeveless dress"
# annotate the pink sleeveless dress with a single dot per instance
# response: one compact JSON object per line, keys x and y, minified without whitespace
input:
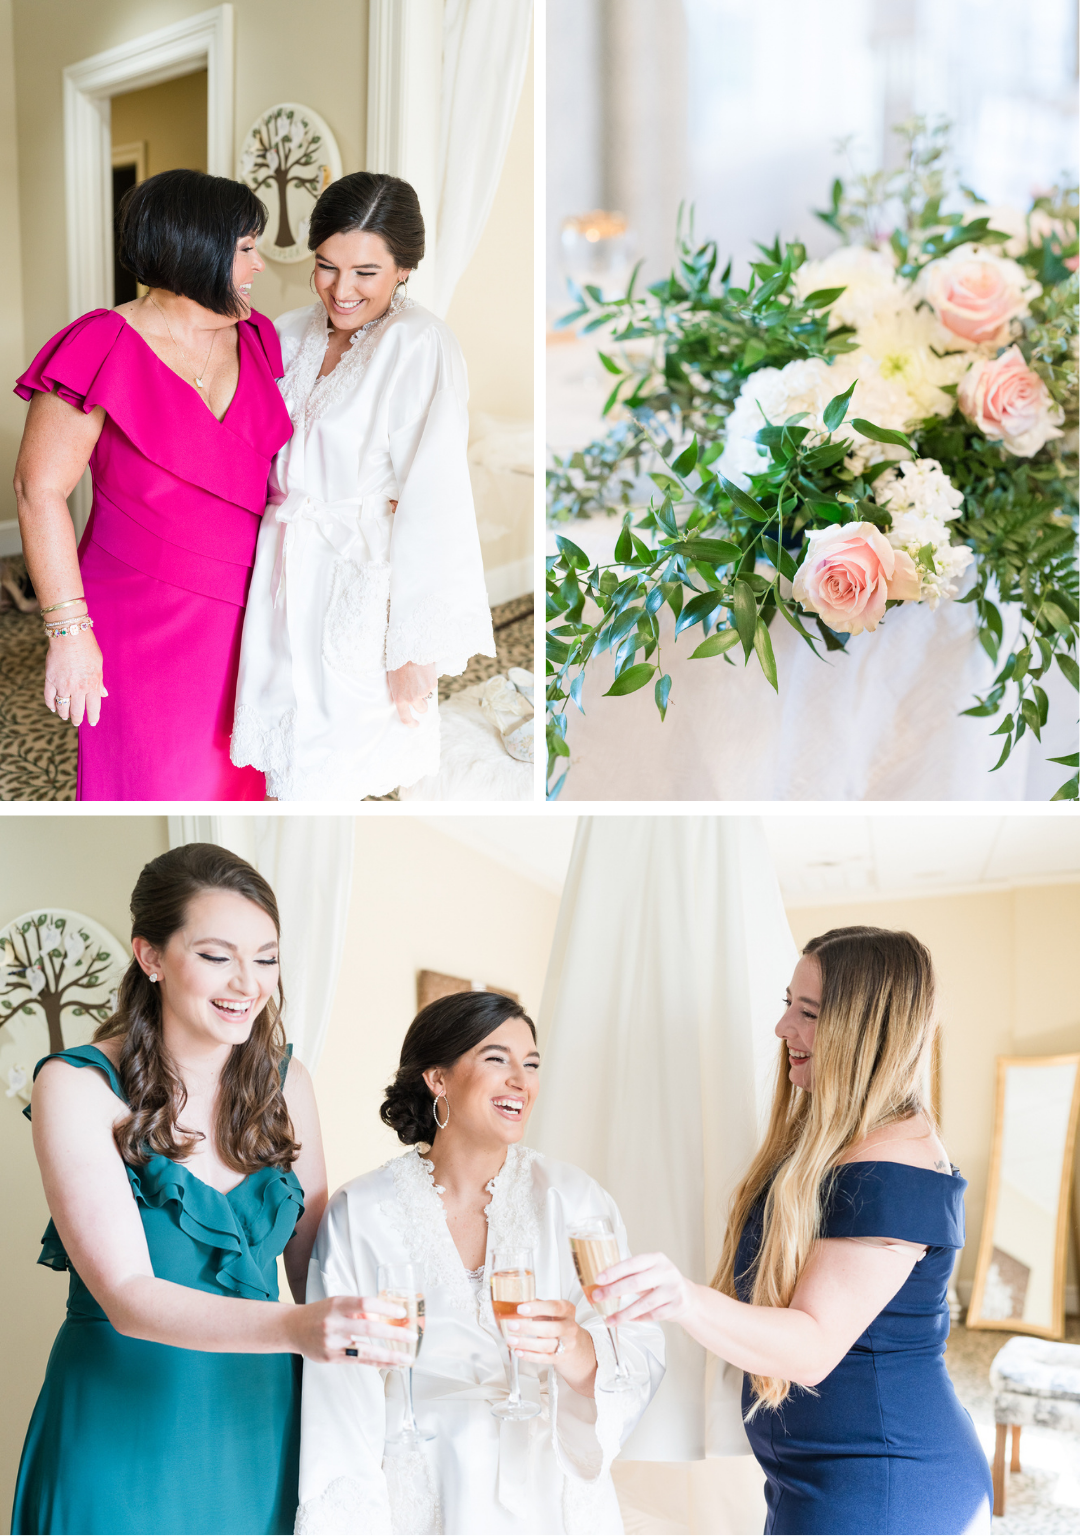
{"x":167,"y":553}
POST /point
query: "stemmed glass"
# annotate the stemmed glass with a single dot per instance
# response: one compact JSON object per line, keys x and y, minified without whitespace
{"x":512,"y":1281}
{"x":404,"y":1283}
{"x":595,"y":1247}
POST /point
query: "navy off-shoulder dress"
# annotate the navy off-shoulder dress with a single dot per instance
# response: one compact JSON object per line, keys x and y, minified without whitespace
{"x":885,"y":1445}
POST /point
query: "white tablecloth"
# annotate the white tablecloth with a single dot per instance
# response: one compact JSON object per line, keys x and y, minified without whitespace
{"x":880,"y":721}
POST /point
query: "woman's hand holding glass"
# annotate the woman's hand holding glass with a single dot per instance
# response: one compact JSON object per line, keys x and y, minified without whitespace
{"x":649,"y":1288}
{"x":412,"y":687}
{"x":346,"y":1329}
{"x":544,"y":1326}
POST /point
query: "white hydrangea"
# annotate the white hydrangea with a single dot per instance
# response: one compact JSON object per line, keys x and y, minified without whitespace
{"x":807,"y":385}
{"x":922,"y":500}
{"x":867,"y":277}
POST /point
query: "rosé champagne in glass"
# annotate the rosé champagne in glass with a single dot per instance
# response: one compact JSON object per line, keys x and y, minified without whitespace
{"x":404,"y":1284}
{"x":595,"y":1247}
{"x":512,"y":1280}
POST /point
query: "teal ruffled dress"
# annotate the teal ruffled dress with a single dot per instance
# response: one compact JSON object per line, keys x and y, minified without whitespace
{"x":129,"y":1436}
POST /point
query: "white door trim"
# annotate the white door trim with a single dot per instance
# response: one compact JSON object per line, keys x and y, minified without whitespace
{"x":202,"y":41}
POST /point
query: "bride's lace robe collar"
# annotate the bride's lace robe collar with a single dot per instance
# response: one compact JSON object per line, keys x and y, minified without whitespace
{"x":307,"y":395}
{"x":418,"y":1214}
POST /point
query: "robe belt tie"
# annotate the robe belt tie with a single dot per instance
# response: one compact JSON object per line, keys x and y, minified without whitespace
{"x":515,"y":1436}
{"x":341,"y":523}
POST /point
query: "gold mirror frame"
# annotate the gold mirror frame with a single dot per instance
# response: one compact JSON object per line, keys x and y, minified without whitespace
{"x":986,"y":1242}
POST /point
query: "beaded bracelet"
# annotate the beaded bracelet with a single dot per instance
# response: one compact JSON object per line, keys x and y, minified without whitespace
{"x":57,"y":627}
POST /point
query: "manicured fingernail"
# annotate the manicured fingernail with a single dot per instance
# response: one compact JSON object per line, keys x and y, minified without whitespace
{"x":513,"y":1327}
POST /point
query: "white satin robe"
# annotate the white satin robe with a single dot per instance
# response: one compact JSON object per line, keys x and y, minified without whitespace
{"x":343,"y":588}
{"x":479,"y":1474}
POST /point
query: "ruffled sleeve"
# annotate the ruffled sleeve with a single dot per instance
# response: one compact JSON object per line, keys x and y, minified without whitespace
{"x":70,"y":362}
{"x":439,"y":609}
{"x":268,"y":340}
{"x":53,"y":1254}
{"x":895,"y":1200}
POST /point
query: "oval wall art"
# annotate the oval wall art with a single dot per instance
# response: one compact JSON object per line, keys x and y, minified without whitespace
{"x":289,"y":156}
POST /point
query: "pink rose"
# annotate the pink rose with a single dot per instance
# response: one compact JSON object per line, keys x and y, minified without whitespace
{"x":849,"y":573}
{"x":975,"y":297}
{"x":1007,"y":401}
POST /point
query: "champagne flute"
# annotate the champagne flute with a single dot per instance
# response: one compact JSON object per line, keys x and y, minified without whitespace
{"x":404,"y":1284}
{"x":595,"y":1247}
{"x":512,"y":1281}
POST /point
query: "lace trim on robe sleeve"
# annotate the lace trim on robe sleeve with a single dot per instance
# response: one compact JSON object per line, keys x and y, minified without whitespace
{"x":439,"y":635}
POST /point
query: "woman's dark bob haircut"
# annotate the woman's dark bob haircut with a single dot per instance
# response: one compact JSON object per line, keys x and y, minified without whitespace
{"x":178,"y":231}
{"x":440,"y":1034}
{"x":383,"y":205}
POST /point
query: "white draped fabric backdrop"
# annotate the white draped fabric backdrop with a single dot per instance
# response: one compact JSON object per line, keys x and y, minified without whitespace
{"x":441,"y":117}
{"x":308,"y":863}
{"x":669,"y":963}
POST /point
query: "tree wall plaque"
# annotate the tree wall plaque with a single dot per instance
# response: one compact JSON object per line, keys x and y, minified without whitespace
{"x":289,"y":156}
{"x":59,"y":975}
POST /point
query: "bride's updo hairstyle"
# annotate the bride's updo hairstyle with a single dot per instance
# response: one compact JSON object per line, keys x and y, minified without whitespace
{"x":253,"y":1126}
{"x":872,"y":1046}
{"x":440,"y":1034}
{"x":382,"y":205}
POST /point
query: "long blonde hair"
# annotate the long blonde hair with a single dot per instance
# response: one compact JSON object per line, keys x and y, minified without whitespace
{"x":875,"y":1030}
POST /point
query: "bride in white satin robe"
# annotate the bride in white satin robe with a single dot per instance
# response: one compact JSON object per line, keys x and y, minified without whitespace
{"x":344,"y":588}
{"x":477,"y":1473}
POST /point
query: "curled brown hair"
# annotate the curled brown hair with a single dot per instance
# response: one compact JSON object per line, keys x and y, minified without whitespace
{"x":252,"y":1128}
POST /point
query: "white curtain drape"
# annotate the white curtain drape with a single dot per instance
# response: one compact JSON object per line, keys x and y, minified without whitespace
{"x":308,"y":862}
{"x":670,"y":958}
{"x":485,"y":50}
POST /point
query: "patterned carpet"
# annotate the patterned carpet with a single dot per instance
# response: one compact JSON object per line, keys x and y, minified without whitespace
{"x":1045,"y":1496}
{"x":38,"y":752}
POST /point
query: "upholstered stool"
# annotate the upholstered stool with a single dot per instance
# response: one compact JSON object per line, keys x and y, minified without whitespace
{"x":1035,"y":1382}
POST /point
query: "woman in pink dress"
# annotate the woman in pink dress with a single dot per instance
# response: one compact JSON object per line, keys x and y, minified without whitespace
{"x":172,"y":400}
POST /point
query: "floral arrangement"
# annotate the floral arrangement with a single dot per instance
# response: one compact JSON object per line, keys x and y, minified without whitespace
{"x":891,"y":424}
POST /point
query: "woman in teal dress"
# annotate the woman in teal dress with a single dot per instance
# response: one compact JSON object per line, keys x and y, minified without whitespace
{"x":177,"y":1170}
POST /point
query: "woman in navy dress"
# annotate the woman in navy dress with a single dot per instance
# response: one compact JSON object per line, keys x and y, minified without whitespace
{"x":831,"y":1290}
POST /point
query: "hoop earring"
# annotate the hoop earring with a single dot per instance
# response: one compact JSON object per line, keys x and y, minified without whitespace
{"x":442,"y":1124}
{"x":402,"y":282}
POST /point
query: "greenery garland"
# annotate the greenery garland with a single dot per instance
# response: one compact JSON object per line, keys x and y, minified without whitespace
{"x":727,"y":556}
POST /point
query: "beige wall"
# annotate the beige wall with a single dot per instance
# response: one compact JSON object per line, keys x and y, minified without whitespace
{"x":169,"y":118}
{"x":420,"y":901}
{"x":89,"y":864}
{"x":1007,"y":973}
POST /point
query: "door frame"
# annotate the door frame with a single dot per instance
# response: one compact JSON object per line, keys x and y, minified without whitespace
{"x":205,"y":42}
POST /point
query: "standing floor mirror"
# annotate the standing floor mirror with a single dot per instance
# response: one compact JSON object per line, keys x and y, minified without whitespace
{"x":1020,"y":1276}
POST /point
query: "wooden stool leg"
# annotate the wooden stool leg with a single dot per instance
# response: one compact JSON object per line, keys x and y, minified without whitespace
{"x":999,"y":1469}
{"x":1014,"y":1464}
